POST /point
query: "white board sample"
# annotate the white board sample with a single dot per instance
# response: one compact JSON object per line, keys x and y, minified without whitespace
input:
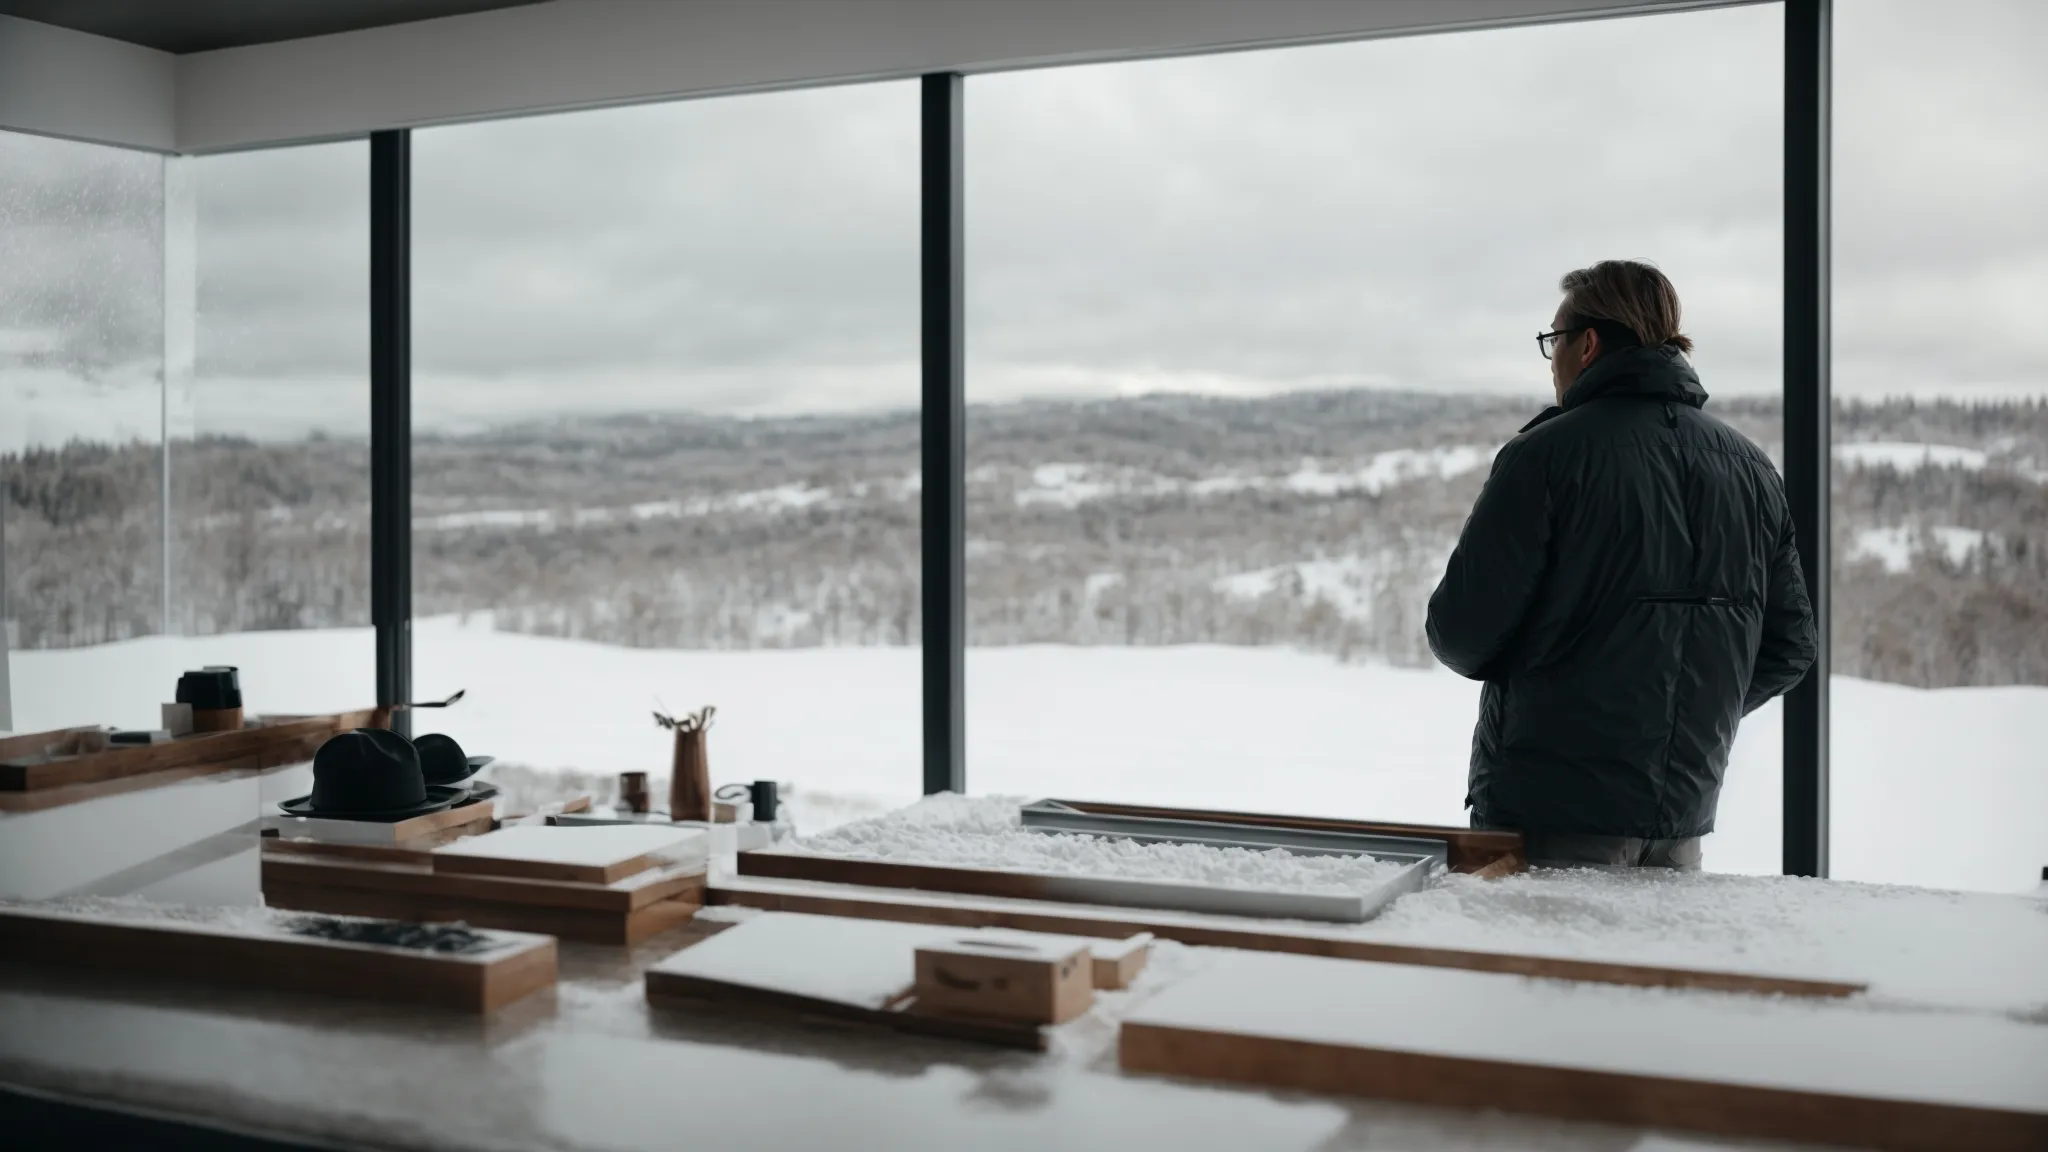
{"x":1842,"y":1048}
{"x":590,"y":847}
{"x":865,"y":963}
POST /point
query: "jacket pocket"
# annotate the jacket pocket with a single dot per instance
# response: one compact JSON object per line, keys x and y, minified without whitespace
{"x":1690,"y":599}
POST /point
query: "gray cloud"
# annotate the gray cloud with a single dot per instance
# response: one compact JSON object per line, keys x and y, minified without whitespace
{"x":1391,"y":213}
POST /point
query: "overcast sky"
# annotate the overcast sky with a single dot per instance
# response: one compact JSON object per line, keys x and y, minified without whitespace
{"x":1388,"y":214}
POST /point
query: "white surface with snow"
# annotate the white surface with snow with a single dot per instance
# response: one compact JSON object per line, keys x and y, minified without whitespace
{"x":1850,"y":1049}
{"x":598,"y":846}
{"x":1256,"y":729}
{"x":986,"y":832}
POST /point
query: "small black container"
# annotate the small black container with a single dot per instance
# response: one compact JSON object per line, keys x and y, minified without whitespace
{"x":214,"y":686}
{"x":763,"y":793}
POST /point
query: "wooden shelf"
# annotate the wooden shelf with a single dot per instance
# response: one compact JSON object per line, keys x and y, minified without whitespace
{"x":263,"y":747}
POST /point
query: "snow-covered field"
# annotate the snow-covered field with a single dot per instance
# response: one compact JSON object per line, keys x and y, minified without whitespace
{"x":1942,"y":788}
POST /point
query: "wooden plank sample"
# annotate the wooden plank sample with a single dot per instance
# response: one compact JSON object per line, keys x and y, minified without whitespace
{"x":596,"y":854}
{"x":1731,"y":1066}
{"x":1222,"y":932}
{"x":269,"y":745}
{"x":514,"y":964}
{"x":45,"y":798}
{"x":596,"y":926}
{"x":37,"y":743}
{"x":474,"y":815}
{"x":1471,"y":849}
{"x":826,"y":966}
{"x":414,"y":851}
{"x":1151,"y":894}
{"x":628,"y":895}
{"x":1028,"y":980}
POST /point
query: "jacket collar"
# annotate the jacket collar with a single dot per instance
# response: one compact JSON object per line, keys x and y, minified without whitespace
{"x":1659,"y":373}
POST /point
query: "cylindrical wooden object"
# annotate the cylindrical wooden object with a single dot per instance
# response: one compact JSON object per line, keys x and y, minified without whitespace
{"x":217,"y":719}
{"x":633,"y":791}
{"x":689,"y":790}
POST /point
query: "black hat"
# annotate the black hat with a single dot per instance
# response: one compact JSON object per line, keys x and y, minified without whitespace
{"x":442,"y":761}
{"x":369,"y":774}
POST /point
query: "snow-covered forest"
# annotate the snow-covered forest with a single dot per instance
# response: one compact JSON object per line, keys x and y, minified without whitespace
{"x":1312,"y":520}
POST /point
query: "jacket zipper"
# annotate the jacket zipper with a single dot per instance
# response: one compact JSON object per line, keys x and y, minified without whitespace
{"x":1695,"y":601}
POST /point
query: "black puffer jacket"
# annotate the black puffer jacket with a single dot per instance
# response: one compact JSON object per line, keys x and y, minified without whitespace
{"x":1628,"y":588}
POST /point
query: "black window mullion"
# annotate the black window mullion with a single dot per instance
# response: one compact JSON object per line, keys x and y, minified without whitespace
{"x":1807,"y":407}
{"x":391,"y":417}
{"x":943,"y":429}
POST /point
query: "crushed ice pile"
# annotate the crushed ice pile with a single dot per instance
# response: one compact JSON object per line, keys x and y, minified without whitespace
{"x":986,"y":832}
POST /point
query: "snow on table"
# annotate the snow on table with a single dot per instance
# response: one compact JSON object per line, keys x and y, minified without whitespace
{"x":953,"y":831}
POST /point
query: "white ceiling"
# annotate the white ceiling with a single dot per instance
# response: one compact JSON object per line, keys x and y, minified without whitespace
{"x":583,"y":53}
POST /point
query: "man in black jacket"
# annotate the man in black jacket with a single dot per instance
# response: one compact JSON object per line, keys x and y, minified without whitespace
{"x":1628,"y":589}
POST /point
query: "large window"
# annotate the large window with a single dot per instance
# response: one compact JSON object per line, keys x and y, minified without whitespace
{"x":183,"y":407}
{"x":81,"y":361}
{"x":1244,"y":334}
{"x":666,"y":445}
{"x":270,"y":490}
{"x":1940,"y":702}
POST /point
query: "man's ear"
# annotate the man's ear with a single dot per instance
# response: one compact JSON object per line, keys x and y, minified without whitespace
{"x":1592,"y":338}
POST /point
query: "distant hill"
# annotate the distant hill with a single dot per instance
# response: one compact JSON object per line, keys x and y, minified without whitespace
{"x":1317,"y":520}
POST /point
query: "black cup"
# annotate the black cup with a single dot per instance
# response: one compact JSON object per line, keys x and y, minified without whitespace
{"x":215,"y":686}
{"x":763,"y":792}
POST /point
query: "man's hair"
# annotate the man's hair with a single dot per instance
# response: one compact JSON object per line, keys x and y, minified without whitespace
{"x":1625,"y":298}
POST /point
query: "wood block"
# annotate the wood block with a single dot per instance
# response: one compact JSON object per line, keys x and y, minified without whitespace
{"x":1118,"y":962}
{"x":600,"y":854}
{"x":475,"y":815}
{"x":270,"y":745}
{"x":44,"y":798}
{"x":1774,"y":1069}
{"x":412,"y":878}
{"x":513,"y":965}
{"x":596,"y":926}
{"x":415,"y":851}
{"x":1114,"y":963}
{"x":1224,"y":932}
{"x":820,"y":966}
{"x":1001,"y":979}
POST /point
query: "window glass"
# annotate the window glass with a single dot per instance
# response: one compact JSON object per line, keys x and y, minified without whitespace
{"x":81,"y":419}
{"x":1245,"y":331}
{"x":666,"y":447}
{"x":1940,"y":698}
{"x":270,"y":489}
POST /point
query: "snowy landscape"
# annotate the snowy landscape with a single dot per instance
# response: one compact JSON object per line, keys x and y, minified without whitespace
{"x":1198,"y":601}
{"x":1311,"y":520}
{"x":1267,"y":729}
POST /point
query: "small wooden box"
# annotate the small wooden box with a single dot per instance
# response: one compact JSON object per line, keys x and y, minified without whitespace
{"x":1118,"y":962}
{"x":1005,"y":980}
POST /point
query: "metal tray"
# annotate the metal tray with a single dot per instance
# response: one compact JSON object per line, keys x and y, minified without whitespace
{"x":1053,"y":816}
{"x":1343,"y":908}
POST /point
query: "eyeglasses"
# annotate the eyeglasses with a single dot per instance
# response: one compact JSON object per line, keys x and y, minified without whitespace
{"x":1546,"y":342}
